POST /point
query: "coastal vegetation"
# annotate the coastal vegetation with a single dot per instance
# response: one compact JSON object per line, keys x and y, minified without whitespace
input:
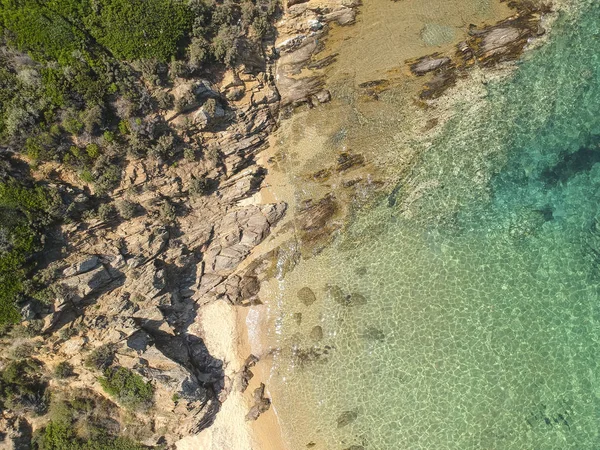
{"x":127,"y":387}
{"x":86,"y":88}
{"x":23,"y":387}
{"x":82,"y":421}
{"x":24,"y":212}
{"x":81,"y":84}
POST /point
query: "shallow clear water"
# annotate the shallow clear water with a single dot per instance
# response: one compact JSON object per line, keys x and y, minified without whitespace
{"x":477,"y":324}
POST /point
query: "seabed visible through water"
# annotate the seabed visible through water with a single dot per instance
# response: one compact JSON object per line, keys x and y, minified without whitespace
{"x":468,"y":318}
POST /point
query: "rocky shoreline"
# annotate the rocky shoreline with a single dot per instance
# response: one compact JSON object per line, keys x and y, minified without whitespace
{"x":157,"y":293}
{"x":161,"y":291}
{"x":486,"y":47}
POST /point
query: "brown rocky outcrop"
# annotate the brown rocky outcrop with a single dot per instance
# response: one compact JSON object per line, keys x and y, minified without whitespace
{"x":134,"y":287}
{"x":302,"y":30}
{"x":261,"y":403}
{"x":485,"y":47}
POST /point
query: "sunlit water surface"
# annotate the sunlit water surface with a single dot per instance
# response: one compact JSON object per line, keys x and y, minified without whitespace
{"x":473,"y":321}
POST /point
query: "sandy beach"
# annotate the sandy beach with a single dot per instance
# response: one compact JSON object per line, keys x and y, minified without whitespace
{"x":233,"y":333}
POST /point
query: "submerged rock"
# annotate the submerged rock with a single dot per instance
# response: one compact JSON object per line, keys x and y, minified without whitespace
{"x":304,"y":356}
{"x":526,"y":223}
{"x":374,"y":334}
{"x":346,"y":418}
{"x":336,"y":293}
{"x":439,"y":84}
{"x":570,"y":165}
{"x":488,"y":46}
{"x":297,"y":318}
{"x":429,"y":63}
{"x":361,"y":271}
{"x":315,"y":221}
{"x":348,"y":161}
{"x":307,"y":296}
{"x":340,"y":297}
{"x":316,"y":334}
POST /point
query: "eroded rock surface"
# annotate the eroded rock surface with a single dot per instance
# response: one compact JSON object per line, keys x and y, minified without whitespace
{"x":485,"y":47}
{"x":302,"y":29}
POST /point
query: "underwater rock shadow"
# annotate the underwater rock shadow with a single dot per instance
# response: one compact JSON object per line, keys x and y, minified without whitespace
{"x":571,"y":164}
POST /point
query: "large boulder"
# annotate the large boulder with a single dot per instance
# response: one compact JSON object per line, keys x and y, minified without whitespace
{"x":83,"y":266}
{"x":238,"y":233}
{"x":209,"y":114}
{"x":78,"y":287}
{"x":148,"y":282}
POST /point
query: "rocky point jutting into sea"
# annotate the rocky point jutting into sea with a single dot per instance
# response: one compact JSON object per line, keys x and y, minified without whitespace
{"x":396,"y":245}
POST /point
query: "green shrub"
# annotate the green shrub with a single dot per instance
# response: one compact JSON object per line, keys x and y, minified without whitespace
{"x":189,"y":154}
{"x":92,"y":117}
{"x":72,"y":125}
{"x":199,"y":186}
{"x":127,"y":387}
{"x":127,"y":209}
{"x":261,"y":26}
{"x":67,"y":333}
{"x":163,"y":148}
{"x":167,"y":212}
{"x":198,"y":51}
{"x":40,"y":29}
{"x":82,"y":421}
{"x":106,"y":174}
{"x":224,"y":44}
{"x":62,"y":436}
{"x":22,"y":386}
{"x":23,"y":350}
{"x":86,"y":176}
{"x":101,"y":357}
{"x":123,"y":127}
{"x":186,"y":101}
{"x":64,"y":369}
{"x":179,"y":69}
{"x":106,"y":212}
{"x":213,"y":155}
{"x":164,"y":99}
{"x":92,"y":150}
{"x":108,"y":136}
{"x":24,"y":212}
{"x":121,"y":25}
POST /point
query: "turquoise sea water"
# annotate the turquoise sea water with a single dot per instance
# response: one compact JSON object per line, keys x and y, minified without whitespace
{"x":478,"y":320}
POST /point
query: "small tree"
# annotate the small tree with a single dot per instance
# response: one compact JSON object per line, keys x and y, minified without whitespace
{"x":127,"y":209}
{"x":106,"y":212}
{"x":63,"y":370}
{"x":127,"y":387}
{"x":199,"y":186}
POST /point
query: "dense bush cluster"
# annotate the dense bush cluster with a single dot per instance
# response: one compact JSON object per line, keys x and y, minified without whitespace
{"x":83,"y":422}
{"x":22,"y":386}
{"x":127,"y":387}
{"x":24,"y":212}
{"x":77,"y":76}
